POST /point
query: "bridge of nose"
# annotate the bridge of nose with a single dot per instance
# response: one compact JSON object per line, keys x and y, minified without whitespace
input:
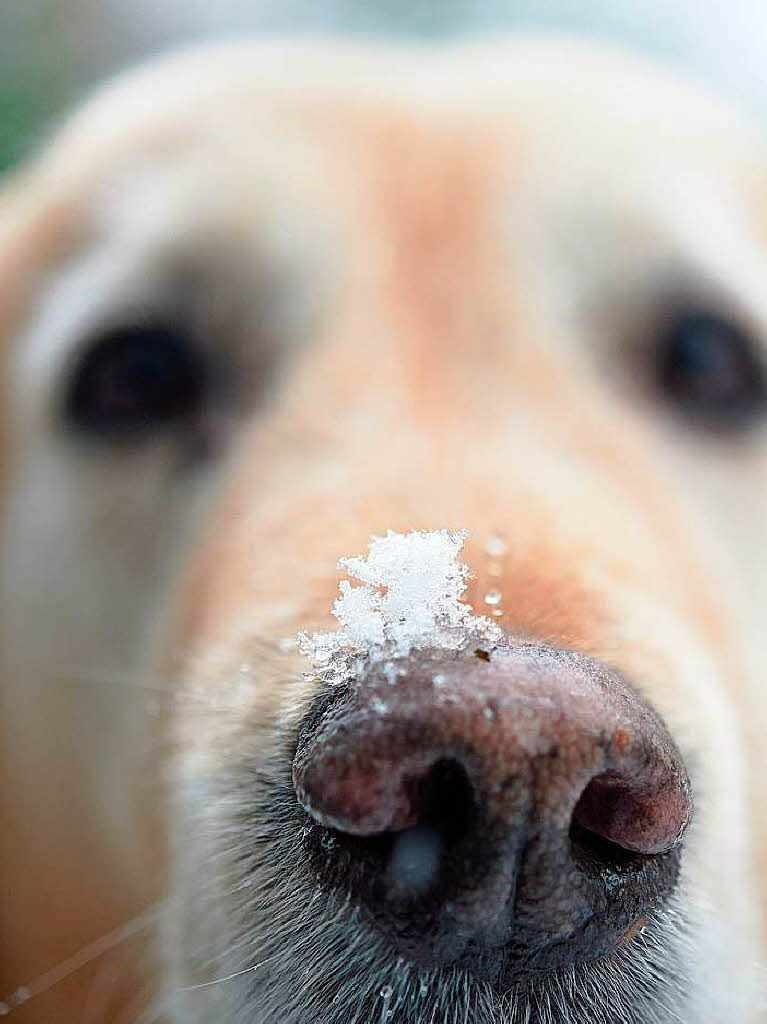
{"x":438,"y":272}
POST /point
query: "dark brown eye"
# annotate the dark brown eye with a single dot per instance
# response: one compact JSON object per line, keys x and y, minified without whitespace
{"x":134,"y":381}
{"x":711,"y":371}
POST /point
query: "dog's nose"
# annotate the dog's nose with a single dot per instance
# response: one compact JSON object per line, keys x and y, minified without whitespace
{"x":520,"y":806}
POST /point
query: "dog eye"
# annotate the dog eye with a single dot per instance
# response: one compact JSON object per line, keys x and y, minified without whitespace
{"x":711,"y":371}
{"x":134,"y":381}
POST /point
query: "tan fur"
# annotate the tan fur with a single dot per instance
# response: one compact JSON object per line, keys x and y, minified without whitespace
{"x":421,"y":203}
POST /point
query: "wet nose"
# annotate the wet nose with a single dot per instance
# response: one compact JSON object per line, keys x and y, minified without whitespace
{"x":520,"y":808}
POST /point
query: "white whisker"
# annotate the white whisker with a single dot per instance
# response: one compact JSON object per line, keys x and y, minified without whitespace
{"x":228,"y":977}
{"x":87,"y":954}
{"x":176,"y":691}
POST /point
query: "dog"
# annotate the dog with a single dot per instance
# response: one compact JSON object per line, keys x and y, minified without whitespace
{"x":499,"y":306}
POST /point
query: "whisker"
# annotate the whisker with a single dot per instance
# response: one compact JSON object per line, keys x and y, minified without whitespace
{"x":87,"y":954}
{"x":228,"y":977}
{"x":176,"y":691}
{"x":232,"y":687}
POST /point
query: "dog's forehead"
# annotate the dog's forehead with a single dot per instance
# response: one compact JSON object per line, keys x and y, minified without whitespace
{"x":531,"y":142}
{"x":571,"y":108}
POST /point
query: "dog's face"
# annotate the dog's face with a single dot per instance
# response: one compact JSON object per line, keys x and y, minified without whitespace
{"x":263,"y":303}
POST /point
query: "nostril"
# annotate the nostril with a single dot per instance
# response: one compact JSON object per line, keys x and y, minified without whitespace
{"x":594,"y":855}
{"x":444,"y":800}
{"x":445,"y":810}
{"x":391,"y":783}
{"x":422,"y":852}
{"x":640,"y":818}
{"x":431,"y":812}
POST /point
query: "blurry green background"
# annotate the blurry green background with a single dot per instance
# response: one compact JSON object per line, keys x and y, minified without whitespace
{"x":52,"y":51}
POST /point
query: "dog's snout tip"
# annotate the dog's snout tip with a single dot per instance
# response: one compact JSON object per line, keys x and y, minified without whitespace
{"x":536,"y":773}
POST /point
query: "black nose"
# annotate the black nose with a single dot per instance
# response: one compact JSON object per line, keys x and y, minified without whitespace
{"x":520,"y":809}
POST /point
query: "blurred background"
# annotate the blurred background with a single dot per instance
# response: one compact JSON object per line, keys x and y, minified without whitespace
{"x":52,"y":51}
